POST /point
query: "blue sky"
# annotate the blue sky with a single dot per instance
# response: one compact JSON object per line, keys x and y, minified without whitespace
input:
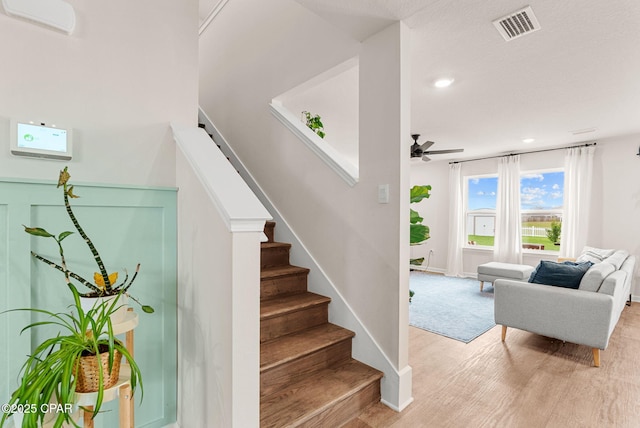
{"x":538,"y":191}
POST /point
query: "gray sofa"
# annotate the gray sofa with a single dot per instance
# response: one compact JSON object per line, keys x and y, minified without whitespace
{"x":585,"y":316}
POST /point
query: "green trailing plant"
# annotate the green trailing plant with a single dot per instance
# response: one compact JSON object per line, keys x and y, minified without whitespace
{"x":51,"y":371}
{"x":554,"y":232}
{"x":104,"y":283}
{"x":418,"y":232}
{"x":314,"y":122}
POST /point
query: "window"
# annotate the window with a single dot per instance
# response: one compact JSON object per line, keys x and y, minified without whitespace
{"x":541,"y":201}
{"x":481,"y":209}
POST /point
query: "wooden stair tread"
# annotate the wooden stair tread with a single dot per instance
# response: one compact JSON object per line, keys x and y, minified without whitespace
{"x":280,"y":271}
{"x":310,"y":397}
{"x":296,"y":345}
{"x":280,"y":305}
{"x":265,"y":245}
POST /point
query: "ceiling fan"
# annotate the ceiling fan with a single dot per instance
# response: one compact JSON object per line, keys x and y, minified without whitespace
{"x":421,"y":151}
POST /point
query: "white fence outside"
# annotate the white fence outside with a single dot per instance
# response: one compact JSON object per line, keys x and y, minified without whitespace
{"x":534,"y":231}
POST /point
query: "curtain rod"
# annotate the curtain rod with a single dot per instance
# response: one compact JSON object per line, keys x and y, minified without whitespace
{"x":525,"y":153}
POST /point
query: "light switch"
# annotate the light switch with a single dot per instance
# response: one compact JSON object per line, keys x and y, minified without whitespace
{"x":383,"y":193}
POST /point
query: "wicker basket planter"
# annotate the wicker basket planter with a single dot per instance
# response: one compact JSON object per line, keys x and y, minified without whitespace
{"x":88,"y":374}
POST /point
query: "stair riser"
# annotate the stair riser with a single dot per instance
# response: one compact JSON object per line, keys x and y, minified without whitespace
{"x":290,"y":284}
{"x":293,"y":371}
{"x":345,"y":410}
{"x":293,"y":322}
{"x":278,"y":256}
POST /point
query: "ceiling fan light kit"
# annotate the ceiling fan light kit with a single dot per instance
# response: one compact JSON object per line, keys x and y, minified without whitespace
{"x":422,"y":150}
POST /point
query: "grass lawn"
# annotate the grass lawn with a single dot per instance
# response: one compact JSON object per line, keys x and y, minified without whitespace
{"x":481,"y":240}
{"x":548,"y":245}
{"x":488,"y":241}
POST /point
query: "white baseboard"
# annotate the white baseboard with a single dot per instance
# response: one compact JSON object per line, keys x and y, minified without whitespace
{"x":426,"y":269}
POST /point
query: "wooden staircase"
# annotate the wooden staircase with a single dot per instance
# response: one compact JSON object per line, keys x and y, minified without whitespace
{"x":307,"y":375}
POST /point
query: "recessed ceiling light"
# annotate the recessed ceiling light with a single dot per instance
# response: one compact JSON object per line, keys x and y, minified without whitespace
{"x":583,"y":131}
{"x":528,"y":140}
{"x":443,"y":83}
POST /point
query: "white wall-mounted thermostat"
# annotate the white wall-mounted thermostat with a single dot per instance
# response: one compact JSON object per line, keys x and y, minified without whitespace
{"x":41,"y":140}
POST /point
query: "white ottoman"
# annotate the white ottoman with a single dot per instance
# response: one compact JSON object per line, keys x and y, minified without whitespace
{"x":491,"y":271}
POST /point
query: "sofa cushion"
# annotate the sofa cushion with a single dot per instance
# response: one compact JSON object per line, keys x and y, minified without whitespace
{"x":617,"y":258}
{"x":594,"y":255}
{"x":592,"y":280}
{"x":567,"y":274}
{"x":613,"y":282}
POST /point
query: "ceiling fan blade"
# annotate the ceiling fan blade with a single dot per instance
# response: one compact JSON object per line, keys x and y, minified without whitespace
{"x":425,"y":158}
{"x":426,"y":145}
{"x":441,"y":152}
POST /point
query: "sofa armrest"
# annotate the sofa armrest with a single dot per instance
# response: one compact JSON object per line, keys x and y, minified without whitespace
{"x":576,"y":316}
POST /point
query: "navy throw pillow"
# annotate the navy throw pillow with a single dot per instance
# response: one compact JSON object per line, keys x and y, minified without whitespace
{"x":566,"y":274}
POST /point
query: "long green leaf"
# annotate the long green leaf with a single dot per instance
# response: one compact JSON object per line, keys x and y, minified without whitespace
{"x":418,"y":233}
{"x":37,"y":231}
{"x":414,"y":217}
{"x":419,"y":193}
{"x":64,"y":235}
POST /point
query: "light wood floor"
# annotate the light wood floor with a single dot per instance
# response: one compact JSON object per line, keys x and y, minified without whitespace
{"x":528,"y":381}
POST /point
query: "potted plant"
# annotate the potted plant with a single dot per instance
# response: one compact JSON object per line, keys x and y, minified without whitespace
{"x":418,"y":232}
{"x":104,"y":286}
{"x":54,"y":371}
{"x":314,"y":122}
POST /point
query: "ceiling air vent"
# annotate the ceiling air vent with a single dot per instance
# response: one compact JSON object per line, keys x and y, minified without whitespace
{"x":517,"y":24}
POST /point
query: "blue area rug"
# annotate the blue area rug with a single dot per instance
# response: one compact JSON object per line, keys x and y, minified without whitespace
{"x":451,"y":307}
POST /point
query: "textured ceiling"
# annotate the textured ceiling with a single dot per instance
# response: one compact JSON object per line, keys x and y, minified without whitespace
{"x":580,"y":71}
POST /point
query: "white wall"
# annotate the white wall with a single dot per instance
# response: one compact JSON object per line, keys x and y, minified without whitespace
{"x":204,"y":307}
{"x":128,"y":70}
{"x":615,"y":200}
{"x":616,"y":197}
{"x":356,"y":240}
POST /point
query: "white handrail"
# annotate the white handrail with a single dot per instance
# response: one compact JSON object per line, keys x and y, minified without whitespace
{"x":214,"y":12}
{"x":239,"y":207}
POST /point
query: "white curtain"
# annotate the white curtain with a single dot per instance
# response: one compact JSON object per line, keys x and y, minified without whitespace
{"x":578,"y":167}
{"x":456,"y":222}
{"x":507,"y":245}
